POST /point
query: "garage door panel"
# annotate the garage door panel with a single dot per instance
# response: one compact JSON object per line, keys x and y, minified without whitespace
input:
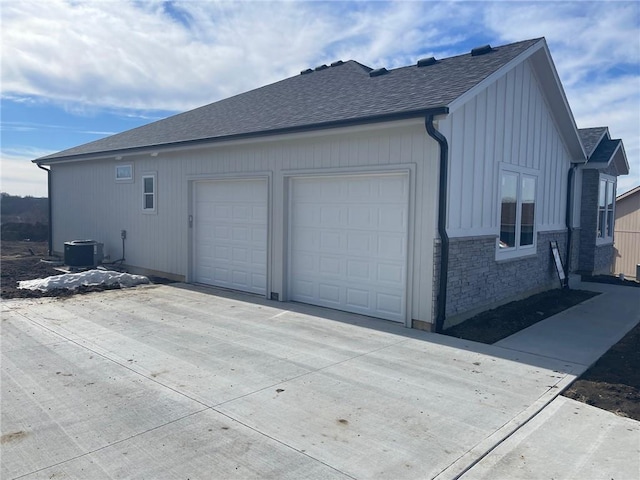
{"x":348,"y":237}
{"x":230,"y":238}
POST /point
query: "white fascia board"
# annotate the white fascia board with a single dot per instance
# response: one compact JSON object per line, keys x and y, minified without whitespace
{"x":548,"y":77}
{"x":472,"y":92}
{"x":552,"y":89}
{"x":157,"y":150}
{"x":624,"y":162}
{"x":628,"y":194}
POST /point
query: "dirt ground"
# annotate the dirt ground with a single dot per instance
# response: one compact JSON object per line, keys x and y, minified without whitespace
{"x":21,"y":261}
{"x":613,"y":383}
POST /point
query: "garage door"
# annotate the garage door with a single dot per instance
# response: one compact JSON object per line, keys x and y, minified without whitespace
{"x":230,"y":234}
{"x":348,"y":243}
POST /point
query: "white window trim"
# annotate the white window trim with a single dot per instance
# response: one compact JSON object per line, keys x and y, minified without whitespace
{"x":518,"y":251}
{"x":128,"y":179}
{"x":154,"y":176}
{"x":611,"y":180}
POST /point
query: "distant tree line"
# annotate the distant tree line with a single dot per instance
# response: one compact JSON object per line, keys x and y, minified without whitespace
{"x":24,"y":218}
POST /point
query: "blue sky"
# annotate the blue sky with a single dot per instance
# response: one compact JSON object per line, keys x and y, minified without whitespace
{"x":74,"y":71}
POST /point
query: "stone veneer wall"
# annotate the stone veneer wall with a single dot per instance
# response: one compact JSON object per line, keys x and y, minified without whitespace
{"x":478,"y":282}
{"x":593,"y":259}
{"x":588,"y":220}
{"x":602,"y":259}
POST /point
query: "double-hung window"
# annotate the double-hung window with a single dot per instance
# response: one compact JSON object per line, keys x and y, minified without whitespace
{"x":517,"y":213}
{"x":149,"y":193}
{"x":606,"y":201}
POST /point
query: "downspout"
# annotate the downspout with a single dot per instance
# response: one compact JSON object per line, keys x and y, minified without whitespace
{"x":442,"y":222}
{"x":569,"y":221}
{"x":50,"y":210}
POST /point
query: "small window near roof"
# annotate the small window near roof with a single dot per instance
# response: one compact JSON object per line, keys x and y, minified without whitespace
{"x":124,"y":173}
{"x":149,"y":193}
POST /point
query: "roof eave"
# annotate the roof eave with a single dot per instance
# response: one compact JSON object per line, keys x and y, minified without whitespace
{"x":547,"y":75}
{"x":49,"y":160}
{"x":631,"y":192}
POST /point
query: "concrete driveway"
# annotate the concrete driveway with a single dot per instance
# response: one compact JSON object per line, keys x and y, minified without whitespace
{"x":177,"y":381}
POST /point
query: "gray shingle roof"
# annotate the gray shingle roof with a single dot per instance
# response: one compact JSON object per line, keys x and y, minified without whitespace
{"x":590,"y":138}
{"x":336,"y":95}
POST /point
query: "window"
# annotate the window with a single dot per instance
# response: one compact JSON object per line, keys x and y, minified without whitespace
{"x":149,"y":193}
{"x":606,"y":201}
{"x":124,"y":173}
{"x":517,"y":212}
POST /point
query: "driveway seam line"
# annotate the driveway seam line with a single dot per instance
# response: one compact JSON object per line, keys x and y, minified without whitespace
{"x":207,"y":407}
{"x":511,"y":349}
{"x":310,"y":372}
{"x":112,"y":444}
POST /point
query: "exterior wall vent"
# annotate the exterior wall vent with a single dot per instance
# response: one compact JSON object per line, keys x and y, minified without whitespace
{"x":338,"y":63}
{"x":378,"y":71}
{"x":321,"y":67}
{"x":304,"y":72}
{"x":481,"y":50}
{"x":83,"y":253}
{"x":425,"y":62}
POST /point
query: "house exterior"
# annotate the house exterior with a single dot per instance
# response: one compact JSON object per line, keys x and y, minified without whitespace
{"x":597,"y":178}
{"x":626,"y":248}
{"x":419,"y":195}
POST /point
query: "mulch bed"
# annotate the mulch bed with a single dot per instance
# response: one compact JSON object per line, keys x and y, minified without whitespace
{"x":613,"y":382}
{"x":501,"y":322}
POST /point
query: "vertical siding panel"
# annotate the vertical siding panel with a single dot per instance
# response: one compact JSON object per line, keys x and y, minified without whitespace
{"x":542,"y":183}
{"x":490,"y":161}
{"x":517,"y":117}
{"x":537,"y":131}
{"x":524,"y":134}
{"x":455,"y":177}
{"x":552,"y":179}
{"x":508,"y":118}
{"x":531,"y":122}
{"x":479,"y":161}
{"x":467,"y":164}
{"x":500,"y":119}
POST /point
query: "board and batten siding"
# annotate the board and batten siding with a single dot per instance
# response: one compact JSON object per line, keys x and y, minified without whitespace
{"x":508,"y":123}
{"x":90,"y":204}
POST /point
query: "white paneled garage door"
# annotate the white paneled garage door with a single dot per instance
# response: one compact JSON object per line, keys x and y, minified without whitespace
{"x":348,"y":243}
{"x":230,"y":234}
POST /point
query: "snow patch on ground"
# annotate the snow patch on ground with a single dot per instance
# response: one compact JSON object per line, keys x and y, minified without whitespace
{"x":71,"y":281}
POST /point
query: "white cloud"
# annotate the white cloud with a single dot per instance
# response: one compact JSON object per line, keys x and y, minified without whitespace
{"x":135,"y":55}
{"x":18,"y":176}
{"x":139,"y":57}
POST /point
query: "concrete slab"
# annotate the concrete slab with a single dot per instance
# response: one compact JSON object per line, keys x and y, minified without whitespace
{"x":583,"y":333}
{"x":567,"y":440}
{"x":312,"y":392}
{"x":60,"y":400}
{"x":203,"y":445}
{"x":405,"y":411}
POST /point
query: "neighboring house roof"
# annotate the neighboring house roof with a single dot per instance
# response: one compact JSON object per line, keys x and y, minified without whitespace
{"x":628,"y":194}
{"x":591,"y":137}
{"x":603,"y":151}
{"x":345,"y":93}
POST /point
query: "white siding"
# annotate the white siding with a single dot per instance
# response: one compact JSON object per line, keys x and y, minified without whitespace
{"x":509,"y":123}
{"x":88,"y":203}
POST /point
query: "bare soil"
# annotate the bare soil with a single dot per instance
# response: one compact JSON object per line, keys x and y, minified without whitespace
{"x":613,"y":383}
{"x":21,"y":260}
